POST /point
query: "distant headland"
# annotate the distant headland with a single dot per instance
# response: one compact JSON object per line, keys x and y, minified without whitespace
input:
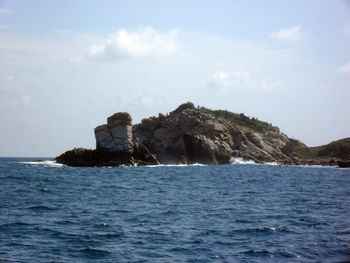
{"x":191,"y":134}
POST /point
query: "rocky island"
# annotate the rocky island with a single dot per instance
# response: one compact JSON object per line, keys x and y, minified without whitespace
{"x":192,"y":134}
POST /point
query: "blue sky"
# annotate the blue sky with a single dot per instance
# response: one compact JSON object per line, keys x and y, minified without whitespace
{"x":65,"y":66}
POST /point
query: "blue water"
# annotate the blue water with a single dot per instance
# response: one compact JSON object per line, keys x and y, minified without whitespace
{"x":227,"y":213}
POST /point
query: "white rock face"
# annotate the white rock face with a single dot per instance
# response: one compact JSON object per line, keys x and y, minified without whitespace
{"x":104,"y":140}
{"x":116,"y":135}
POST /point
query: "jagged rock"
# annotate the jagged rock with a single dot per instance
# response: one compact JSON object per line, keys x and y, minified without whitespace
{"x":192,"y":134}
{"x":199,"y":149}
{"x":142,"y":155}
{"x":77,"y":157}
{"x":344,"y":164}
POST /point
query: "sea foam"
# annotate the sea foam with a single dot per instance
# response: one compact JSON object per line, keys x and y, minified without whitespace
{"x":176,"y":165}
{"x":239,"y":160}
{"x":48,"y":163}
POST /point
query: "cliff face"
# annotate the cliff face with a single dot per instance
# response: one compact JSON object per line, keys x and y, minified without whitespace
{"x":192,"y":134}
{"x":116,"y":135}
{"x":196,"y":135}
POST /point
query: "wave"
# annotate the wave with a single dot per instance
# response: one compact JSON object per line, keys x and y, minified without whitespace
{"x":257,"y":252}
{"x":102,"y":225}
{"x":233,"y":160}
{"x":47,"y":163}
{"x":15,"y":224}
{"x":272,"y":163}
{"x":176,"y":165}
{"x":41,"y":208}
{"x":315,"y":166}
{"x":269,"y":253}
{"x":268,"y":229}
{"x":263,"y":229}
{"x":239,"y":160}
{"x":95,"y":252}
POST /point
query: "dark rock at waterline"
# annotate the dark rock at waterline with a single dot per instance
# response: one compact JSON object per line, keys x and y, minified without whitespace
{"x":192,"y":134}
{"x":87,"y":158}
{"x":344,"y":164}
{"x":78,"y":157}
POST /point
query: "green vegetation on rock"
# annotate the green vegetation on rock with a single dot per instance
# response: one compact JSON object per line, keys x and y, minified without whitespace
{"x":241,"y":119}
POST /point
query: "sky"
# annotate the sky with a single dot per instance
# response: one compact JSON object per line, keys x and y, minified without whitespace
{"x":65,"y":66}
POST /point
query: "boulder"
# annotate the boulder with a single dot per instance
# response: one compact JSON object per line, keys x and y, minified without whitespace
{"x":344,"y":164}
{"x":78,"y":157}
{"x":116,"y":135}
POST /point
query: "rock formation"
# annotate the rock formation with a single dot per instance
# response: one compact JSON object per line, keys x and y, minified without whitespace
{"x":192,"y":134}
{"x":115,"y":146}
{"x":116,"y":135}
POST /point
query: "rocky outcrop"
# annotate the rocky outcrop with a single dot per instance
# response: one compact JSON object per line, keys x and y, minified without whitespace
{"x":115,"y":146}
{"x":186,"y":134}
{"x":197,"y":135}
{"x":77,"y":157}
{"x":192,"y":134}
{"x":344,"y":164}
{"x":140,"y":155}
{"x":116,"y":135}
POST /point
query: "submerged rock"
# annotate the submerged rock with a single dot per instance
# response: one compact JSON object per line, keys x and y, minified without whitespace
{"x":192,"y":134}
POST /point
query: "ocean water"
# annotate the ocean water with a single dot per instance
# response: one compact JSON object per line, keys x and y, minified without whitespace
{"x":226,"y":213}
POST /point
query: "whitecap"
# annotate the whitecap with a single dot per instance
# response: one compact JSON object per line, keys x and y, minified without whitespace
{"x":272,"y":163}
{"x":176,"y":165}
{"x":198,"y":164}
{"x":313,"y":166}
{"x":48,"y":163}
{"x":239,"y":160}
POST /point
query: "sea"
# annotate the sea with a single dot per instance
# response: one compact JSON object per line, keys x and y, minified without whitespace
{"x":242,"y":212}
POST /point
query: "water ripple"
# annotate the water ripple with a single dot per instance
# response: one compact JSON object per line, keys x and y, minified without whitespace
{"x":169,"y":214}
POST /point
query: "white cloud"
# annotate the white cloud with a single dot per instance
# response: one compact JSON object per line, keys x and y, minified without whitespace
{"x":5,"y":11}
{"x":240,"y":80}
{"x":345,"y":69}
{"x":291,"y":34}
{"x":144,"y":42}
